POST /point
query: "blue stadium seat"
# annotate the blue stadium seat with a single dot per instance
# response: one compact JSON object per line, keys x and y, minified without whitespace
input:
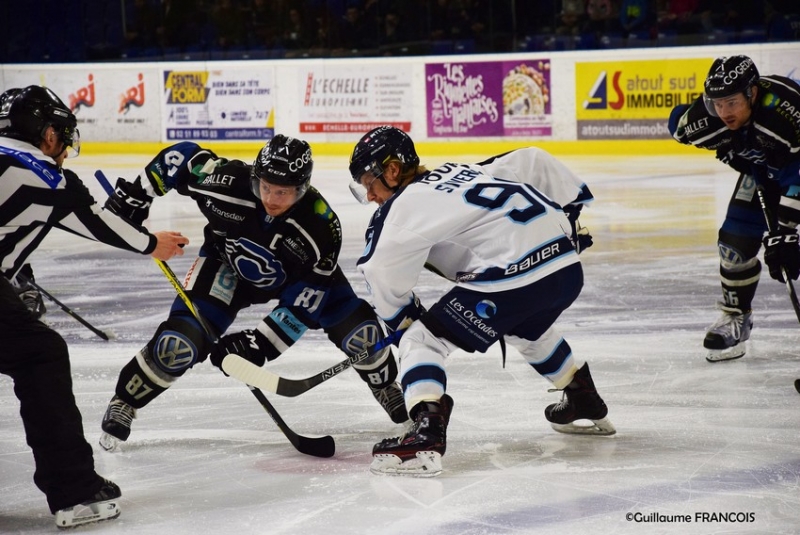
{"x":439,"y":48}
{"x":464,"y":46}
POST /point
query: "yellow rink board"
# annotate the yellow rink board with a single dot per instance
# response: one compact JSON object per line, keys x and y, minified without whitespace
{"x":429,"y":148}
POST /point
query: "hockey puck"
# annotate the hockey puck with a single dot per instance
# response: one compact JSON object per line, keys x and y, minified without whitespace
{"x":797,"y":384}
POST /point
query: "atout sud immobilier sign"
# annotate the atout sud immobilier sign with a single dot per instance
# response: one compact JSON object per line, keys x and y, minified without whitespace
{"x":633,"y":99}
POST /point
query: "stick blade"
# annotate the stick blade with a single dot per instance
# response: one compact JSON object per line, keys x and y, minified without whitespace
{"x":323,"y":447}
{"x":248,"y":373}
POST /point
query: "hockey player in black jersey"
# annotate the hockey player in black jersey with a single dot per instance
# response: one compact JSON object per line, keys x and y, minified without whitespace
{"x":753,"y":124}
{"x":37,"y":195}
{"x":270,"y":236}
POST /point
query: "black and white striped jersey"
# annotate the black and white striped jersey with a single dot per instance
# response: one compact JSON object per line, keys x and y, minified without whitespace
{"x":36,"y":196}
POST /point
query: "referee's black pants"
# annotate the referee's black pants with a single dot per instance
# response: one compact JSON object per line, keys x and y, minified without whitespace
{"x":37,"y":359}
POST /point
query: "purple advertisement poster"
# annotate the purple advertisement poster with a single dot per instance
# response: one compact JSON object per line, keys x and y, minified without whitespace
{"x":484,"y":99}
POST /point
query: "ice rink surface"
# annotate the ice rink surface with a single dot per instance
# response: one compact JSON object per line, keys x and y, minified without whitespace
{"x":701,"y":448}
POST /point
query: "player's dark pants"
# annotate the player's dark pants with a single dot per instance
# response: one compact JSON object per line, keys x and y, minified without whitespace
{"x":37,"y":360}
{"x":740,"y":240}
{"x":475,"y":320}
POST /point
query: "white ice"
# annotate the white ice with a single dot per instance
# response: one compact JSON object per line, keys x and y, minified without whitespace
{"x":693,"y":437}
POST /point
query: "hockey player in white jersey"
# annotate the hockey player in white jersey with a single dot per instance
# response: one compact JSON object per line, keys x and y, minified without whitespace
{"x":511,"y":251}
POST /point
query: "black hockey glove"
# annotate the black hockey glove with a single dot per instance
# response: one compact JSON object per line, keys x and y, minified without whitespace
{"x":581,"y":239}
{"x":249,"y":344}
{"x":781,"y":251}
{"x":32,"y":299}
{"x":407,"y":315}
{"x":729,"y":157}
{"x":129,"y":201}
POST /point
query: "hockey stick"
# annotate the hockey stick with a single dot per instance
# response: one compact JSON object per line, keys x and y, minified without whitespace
{"x":771,"y":228}
{"x":317,"y":447}
{"x":105,"y":335}
{"x":101,"y":177}
{"x":249,"y":373}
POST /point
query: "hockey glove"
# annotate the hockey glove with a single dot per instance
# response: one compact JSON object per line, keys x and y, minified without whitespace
{"x":406,"y":316}
{"x":249,"y":344}
{"x":730,"y":158}
{"x":581,"y":239}
{"x":781,"y":251}
{"x":129,"y":201}
{"x":32,"y":299}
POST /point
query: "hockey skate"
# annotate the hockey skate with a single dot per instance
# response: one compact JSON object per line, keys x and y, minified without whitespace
{"x":116,"y":424}
{"x":419,"y":451}
{"x":391,"y":399}
{"x":580,"y":401}
{"x":726,"y":339}
{"x":104,"y":505}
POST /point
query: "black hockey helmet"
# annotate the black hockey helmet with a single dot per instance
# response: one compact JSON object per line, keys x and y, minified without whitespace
{"x":729,"y":76}
{"x":6,"y":99}
{"x":374,"y":150}
{"x":25,"y":114}
{"x":284,"y":161}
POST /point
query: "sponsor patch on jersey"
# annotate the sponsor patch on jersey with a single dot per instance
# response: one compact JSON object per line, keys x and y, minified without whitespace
{"x":45,"y":171}
{"x":483,"y":311}
{"x":217,"y":179}
{"x":224,"y":214}
{"x":297,"y":247}
{"x":224,"y":285}
{"x":321,"y":208}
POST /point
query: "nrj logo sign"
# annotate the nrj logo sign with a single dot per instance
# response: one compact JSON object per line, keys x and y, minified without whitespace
{"x":134,"y":96}
{"x":598,"y":94}
{"x":82,"y":97}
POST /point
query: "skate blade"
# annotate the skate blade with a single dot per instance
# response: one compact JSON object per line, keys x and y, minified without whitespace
{"x":80,"y":515}
{"x":731,"y":353}
{"x":108,"y":442}
{"x":426,"y":464}
{"x":602,"y":427}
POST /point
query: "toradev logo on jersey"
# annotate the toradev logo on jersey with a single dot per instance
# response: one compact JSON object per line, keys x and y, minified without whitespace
{"x":483,"y":310}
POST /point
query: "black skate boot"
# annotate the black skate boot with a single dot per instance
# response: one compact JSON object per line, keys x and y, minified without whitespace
{"x":418,"y":452}
{"x":104,"y":505}
{"x":391,"y":399}
{"x":116,"y":424}
{"x":580,"y":401}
